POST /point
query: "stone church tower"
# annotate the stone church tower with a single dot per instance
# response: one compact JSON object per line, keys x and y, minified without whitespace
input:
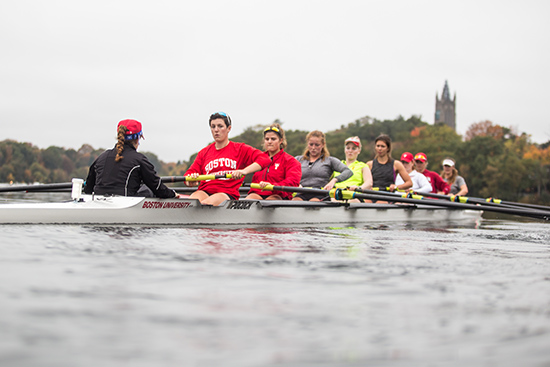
{"x":445,"y":108}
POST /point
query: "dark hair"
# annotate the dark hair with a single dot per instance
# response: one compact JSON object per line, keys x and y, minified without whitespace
{"x":220,"y":115}
{"x":386,"y":139}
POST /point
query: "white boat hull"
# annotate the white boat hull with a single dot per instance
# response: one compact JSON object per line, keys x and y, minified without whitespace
{"x":153,"y":211}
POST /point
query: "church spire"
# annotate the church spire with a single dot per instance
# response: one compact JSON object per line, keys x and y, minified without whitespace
{"x":445,"y":108}
{"x":446,"y":95}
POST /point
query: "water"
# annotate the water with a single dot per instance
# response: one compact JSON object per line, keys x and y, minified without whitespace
{"x":397,"y":295}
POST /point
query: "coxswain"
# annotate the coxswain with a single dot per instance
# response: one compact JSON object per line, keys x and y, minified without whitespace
{"x":123,"y":170}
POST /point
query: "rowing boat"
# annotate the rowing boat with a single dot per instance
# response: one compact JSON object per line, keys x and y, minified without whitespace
{"x":94,"y":209}
{"x":120,"y":210}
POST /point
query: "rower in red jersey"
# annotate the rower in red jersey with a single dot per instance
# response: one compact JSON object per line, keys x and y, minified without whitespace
{"x":283,"y":169}
{"x":223,"y":157}
{"x":439,"y":186}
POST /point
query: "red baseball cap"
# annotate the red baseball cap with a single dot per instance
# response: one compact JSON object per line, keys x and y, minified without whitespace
{"x":407,"y":157}
{"x":355,"y":140}
{"x":134,"y":129}
{"x":421,"y":157}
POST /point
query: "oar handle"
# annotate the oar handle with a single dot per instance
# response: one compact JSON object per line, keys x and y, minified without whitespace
{"x":338,"y":194}
{"x":168,"y":179}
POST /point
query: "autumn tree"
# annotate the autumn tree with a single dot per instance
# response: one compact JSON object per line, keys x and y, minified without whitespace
{"x":436,"y":141}
{"x":487,"y":128}
{"x":538,"y":161}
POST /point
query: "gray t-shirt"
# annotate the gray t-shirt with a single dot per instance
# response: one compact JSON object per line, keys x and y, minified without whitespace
{"x":317,"y":174}
{"x":455,"y":187}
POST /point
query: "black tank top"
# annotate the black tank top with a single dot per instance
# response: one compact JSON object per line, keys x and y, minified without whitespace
{"x":383,"y":175}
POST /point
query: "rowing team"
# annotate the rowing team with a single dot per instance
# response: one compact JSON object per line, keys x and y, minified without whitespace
{"x":124,"y":171}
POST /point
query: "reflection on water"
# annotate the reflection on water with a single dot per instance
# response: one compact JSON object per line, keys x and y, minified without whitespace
{"x":400,"y":294}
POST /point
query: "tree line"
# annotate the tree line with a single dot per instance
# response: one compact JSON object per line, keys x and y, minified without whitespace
{"x":26,"y":163}
{"x":496,"y":161}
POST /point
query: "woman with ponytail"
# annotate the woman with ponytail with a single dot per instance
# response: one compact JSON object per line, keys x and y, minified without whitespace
{"x":123,"y":171}
{"x":283,"y":170}
{"x":453,"y":179}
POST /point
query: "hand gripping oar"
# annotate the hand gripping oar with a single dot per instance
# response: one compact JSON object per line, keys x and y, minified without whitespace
{"x":169,"y":179}
{"x":68,"y":185}
{"x":406,"y":198}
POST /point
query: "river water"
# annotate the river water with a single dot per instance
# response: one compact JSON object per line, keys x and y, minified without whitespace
{"x":398,"y":295}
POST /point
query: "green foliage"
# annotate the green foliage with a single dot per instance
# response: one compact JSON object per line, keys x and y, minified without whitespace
{"x":252,"y":136}
{"x":437,"y":142}
{"x":25,"y":163}
{"x":52,"y":157}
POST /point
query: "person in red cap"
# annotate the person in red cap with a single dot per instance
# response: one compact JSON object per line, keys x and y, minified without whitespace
{"x":439,"y":186}
{"x":223,"y":157}
{"x":385,"y":169}
{"x":420,"y":182}
{"x":123,"y":171}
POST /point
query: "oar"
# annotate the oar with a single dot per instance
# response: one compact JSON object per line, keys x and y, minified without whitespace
{"x":488,"y":201}
{"x":169,"y":179}
{"x":415,"y":199}
{"x":474,"y":200}
{"x":40,"y":187}
{"x":421,"y":196}
{"x":68,"y":185}
{"x":306,"y":190}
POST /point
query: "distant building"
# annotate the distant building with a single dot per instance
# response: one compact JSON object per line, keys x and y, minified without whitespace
{"x":445,"y":108}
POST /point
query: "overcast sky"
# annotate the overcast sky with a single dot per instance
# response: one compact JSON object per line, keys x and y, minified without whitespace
{"x":70,"y":70}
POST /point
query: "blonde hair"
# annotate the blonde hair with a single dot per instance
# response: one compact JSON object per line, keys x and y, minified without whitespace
{"x":454,"y":173}
{"x":316,"y":134}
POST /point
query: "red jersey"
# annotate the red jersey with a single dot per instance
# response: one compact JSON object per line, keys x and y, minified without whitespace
{"x":234,"y":156}
{"x":283,"y":170}
{"x":438,"y":184}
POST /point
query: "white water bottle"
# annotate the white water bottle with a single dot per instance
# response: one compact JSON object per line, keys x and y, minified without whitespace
{"x":77,"y":188}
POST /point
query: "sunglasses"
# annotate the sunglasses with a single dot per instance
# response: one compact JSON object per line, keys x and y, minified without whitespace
{"x":419,"y":162}
{"x":272,"y":129}
{"x":220,"y":113}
